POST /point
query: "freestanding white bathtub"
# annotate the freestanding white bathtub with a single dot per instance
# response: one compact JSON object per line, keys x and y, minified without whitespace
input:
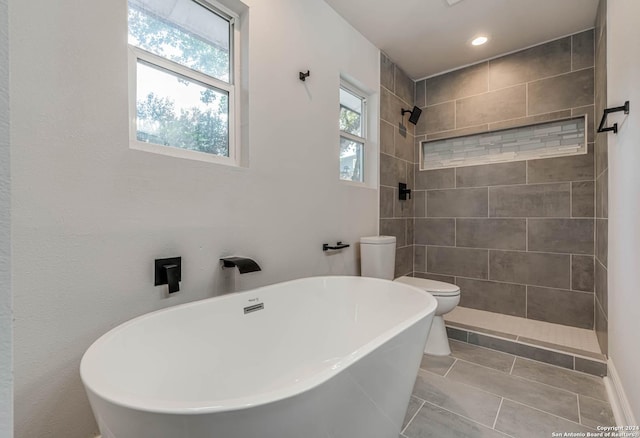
{"x":311,"y":358}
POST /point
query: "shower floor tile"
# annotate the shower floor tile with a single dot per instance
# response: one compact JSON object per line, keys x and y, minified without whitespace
{"x":475,"y":393}
{"x":526,"y":330}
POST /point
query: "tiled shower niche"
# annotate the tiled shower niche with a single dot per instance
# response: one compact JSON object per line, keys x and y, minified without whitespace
{"x":544,"y":140}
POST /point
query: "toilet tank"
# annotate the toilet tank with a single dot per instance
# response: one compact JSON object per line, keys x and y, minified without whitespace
{"x":378,"y":256}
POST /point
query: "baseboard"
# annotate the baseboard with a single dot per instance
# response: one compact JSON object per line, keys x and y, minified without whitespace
{"x":618,"y":398}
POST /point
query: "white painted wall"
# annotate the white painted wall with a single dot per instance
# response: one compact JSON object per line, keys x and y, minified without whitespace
{"x":6,"y":338}
{"x":623,"y":73}
{"x":90,"y":215}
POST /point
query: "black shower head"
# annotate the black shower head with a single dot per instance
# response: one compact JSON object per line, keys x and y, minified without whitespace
{"x":415,"y":114}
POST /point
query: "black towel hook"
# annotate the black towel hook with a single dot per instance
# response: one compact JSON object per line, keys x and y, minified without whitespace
{"x":303,"y":76}
{"x":338,"y":246}
{"x":607,"y":111}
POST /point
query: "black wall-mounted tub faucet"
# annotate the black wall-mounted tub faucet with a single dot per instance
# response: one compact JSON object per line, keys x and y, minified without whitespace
{"x":243,"y":264}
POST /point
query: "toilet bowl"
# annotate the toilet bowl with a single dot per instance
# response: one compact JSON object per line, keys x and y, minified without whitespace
{"x":378,"y":260}
{"x":448,"y":297}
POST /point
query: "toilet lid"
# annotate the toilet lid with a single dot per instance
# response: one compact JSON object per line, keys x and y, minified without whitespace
{"x":436,"y":288}
{"x":378,"y":240}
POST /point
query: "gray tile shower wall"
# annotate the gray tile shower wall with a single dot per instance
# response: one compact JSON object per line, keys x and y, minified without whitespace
{"x":397,"y":158}
{"x":518,"y":238}
{"x":601,"y":180}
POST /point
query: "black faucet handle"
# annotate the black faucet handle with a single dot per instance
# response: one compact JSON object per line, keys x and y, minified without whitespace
{"x":169,"y":272}
{"x":173,"y":277}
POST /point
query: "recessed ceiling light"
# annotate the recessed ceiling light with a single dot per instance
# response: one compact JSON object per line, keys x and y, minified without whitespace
{"x":478,"y":41}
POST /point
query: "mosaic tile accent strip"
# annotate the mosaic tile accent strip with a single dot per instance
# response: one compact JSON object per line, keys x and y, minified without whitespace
{"x":545,"y":140}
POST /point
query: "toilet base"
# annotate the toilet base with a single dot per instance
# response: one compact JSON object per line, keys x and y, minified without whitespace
{"x":437,"y":342}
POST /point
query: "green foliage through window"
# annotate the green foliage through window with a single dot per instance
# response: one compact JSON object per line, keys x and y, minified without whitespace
{"x":352,"y":138}
{"x":349,"y":120}
{"x":198,"y":123}
{"x":172,"y":109}
{"x":154,"y":35}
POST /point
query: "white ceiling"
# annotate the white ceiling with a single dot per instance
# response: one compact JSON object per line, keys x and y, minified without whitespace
{"x":426,"y":37}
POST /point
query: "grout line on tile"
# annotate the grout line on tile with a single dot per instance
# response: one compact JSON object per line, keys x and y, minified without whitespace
{"x":455,"y":232}
{"x":595,"y":309}
{"x":513,"y":365}
{"x":571,"y":53}
{"x":414,"y":415}
{"x":558,"y":75}
{"x":455,"y":114}
{"x":395,"y":82}
{"x":516,"y":378}
{"x":499,"y":89}
{"x":579,"y":416}
{"x":497,"y":413}
{"x":571,"y":268}
{"x":526,"y":99}
{"x":545,"y":412}
{"x":488,"y":209}
{"x":581,"y":373}
{"x":459,"y":415}
{"x":451,"y":367}
{"x":488,"y":264}
{"x":486,"y":368}
{"x":488,"y":75}
{"x":558,"y":119}
{"x":546,"y":384}
{"x":484,"y":348}
{"x":570,"y":199}
{"x":502,"y":217}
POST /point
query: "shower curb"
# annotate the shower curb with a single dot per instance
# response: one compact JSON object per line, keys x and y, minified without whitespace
{"x":565,"y":357}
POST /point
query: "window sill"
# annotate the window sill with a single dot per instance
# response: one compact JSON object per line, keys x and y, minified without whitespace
{"x":357,"y":184}
{"x":175,"y":152}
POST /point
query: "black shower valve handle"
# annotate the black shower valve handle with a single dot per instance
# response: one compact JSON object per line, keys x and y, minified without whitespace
{"x":403,"y":192}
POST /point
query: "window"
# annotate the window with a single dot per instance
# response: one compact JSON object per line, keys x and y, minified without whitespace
{"x":353,"y":134}
{"x":182,"y":79}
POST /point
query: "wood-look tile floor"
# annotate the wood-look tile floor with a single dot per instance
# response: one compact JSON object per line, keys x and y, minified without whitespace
{"x":478,"y":392}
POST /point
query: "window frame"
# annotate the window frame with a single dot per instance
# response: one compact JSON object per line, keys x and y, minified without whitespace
{"x":136,"y":54}
{"x":364,"y":124}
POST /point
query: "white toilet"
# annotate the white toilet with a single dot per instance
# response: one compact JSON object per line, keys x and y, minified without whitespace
{"x":378,"y":254}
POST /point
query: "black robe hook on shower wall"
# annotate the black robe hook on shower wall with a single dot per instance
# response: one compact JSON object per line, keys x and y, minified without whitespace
{"x":303,"y":76}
